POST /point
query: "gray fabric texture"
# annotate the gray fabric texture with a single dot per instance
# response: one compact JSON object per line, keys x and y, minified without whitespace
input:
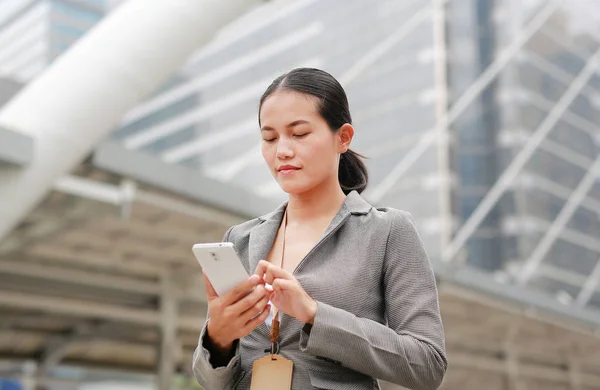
{"x":378,"y":314}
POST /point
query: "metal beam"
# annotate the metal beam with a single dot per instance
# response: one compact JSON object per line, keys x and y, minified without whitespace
{"x":569,"y":117}
{"x":441,"y":108}
{"x":566,"y":154}
{"x":181,"y":180}
{"x":187,"y":208}
{"x":90,"y":189}
{"x":118,"y":195}
{"x":508,"y":176}
{"x":563,"y":217}
{"x":463,"y":102}
{"x":554,"y":71}
{"x":561,"y":274}
{"x":87,"y":309}
{"x":560,"y":191}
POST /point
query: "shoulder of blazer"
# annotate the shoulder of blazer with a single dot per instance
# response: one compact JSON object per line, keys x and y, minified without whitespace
{"x":243,"y":229}
{"x":392,"y":215}
{"x":236,"y":232}
{"x":355,"y":204}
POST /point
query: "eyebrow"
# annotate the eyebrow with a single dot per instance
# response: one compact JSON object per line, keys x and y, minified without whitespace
{"x":293,"y":124}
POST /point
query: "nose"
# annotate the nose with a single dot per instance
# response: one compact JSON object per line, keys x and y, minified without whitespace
{"x":284,"y":149}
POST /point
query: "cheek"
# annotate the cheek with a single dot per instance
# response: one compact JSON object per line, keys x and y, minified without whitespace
{"x":267,"y":153}
{"x":321,"y":155}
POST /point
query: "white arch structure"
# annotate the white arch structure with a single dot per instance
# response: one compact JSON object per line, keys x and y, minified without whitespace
{"x":79,"y":99}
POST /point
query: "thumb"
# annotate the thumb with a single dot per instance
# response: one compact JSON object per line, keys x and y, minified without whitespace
{"x":210,"y":290}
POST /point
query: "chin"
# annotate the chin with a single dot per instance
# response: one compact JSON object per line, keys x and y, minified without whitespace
{"x":295,"y":188}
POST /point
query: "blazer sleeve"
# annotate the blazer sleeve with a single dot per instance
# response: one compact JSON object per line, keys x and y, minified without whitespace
{"x":410,"y":350}
{"x":209,"y":377}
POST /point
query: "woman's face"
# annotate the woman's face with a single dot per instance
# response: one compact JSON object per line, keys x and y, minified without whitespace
{"x":300,"y":149}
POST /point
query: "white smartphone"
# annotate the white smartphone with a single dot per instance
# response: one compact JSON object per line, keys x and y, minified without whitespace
{"x":221,"y":264}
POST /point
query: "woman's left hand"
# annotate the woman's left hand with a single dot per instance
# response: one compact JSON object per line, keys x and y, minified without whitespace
{"x":288,"y":295}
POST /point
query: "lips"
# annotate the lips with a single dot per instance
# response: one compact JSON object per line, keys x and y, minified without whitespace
{"x":286,"y":169}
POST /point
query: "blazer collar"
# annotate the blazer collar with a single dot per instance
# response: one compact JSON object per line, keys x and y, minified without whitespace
{"x":354,"y":204}
{"x":263,"y":235}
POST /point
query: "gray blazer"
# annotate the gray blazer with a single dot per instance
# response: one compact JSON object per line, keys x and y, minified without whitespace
{"x":378,"y":314}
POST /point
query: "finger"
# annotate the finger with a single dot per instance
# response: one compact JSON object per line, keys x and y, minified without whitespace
{"x":255,"y":322}
{"x":261,"y":268}
{"x":280,"y":285}
{"x":250,"y":300}
{"x":270,"y":272}
{"x":241,"y":290}
{"x":210,"y":290}
{"x":256,"y":309}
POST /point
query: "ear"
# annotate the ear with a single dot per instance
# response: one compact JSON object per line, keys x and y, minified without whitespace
{"x":345,"y":135}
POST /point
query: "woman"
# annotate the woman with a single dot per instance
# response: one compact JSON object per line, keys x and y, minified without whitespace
{"x":353,"y":283}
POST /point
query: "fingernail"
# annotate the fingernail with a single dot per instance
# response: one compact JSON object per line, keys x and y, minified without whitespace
{"x":254,"y":278}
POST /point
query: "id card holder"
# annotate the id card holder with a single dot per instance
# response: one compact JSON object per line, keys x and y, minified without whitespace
{"x":273,"y":372}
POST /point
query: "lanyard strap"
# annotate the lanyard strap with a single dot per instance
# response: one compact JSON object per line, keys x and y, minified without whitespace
{"x":275,"y":322}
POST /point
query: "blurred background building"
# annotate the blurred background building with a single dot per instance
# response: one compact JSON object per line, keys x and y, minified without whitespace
{"x":34,"y":32}
{"x":480,"y":117}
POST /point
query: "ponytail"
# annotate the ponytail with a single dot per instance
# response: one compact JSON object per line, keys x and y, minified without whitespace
{"x":352,"y":172}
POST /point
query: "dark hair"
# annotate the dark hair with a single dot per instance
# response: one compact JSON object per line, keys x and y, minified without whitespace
{"x":333,"y":107}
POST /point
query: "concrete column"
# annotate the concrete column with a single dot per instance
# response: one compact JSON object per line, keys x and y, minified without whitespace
{"x":168,"y":333}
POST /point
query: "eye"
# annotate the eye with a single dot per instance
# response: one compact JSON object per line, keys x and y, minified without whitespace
{"x":301,"y":135}
{"x":269,"y":140}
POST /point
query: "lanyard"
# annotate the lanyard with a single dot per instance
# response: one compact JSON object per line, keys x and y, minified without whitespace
{"x":275,"y":322}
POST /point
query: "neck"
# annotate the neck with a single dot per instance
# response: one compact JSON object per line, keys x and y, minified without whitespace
{"x":322,"y":201}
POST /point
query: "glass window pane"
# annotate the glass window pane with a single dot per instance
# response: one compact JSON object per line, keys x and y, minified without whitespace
{"x":555,"y":169}
{"x":572,"y":257}
{"x":573,"y":138}
{"x":483,"y":253}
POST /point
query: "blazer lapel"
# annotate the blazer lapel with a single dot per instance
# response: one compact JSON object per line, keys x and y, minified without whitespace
{"x":354,"y":204}
{"x":263,"y":236}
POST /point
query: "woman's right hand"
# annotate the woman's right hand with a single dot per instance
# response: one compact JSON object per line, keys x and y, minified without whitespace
{"x":237,"y":313}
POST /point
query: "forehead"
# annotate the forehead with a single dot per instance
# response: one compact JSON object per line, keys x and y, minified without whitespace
{"x":286,"y":105}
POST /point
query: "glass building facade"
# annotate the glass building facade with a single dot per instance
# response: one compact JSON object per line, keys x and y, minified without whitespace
{"x":34,"y":33}
{"x":499,"y":71}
